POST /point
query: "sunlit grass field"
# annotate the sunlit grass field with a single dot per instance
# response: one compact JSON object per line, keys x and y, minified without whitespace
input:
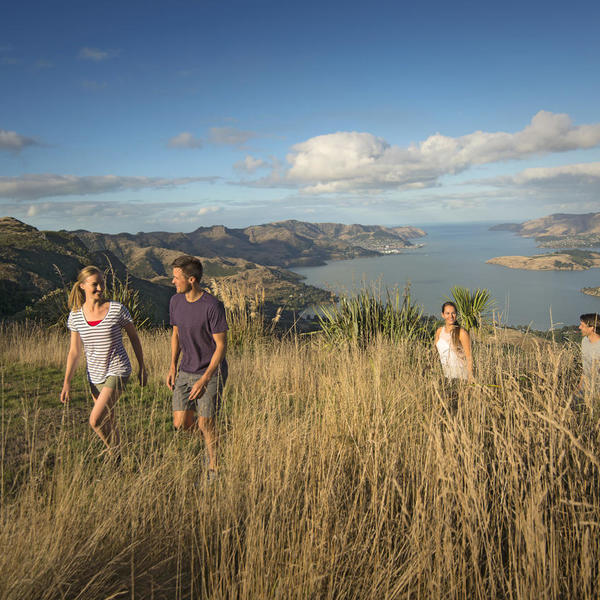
{"x":346,"y":472}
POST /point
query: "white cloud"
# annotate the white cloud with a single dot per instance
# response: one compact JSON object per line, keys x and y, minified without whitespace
{"x":207,"y":210}
{"x":14,"y":142}
{"x":96,"y":54}
{"x":250,"y":164}
{"x":31,"y":187}
{"x":582,"y":173}
{"x":353,"y":161}
{"x":575,"y":178}
{"x":230,"y":136}
{"x":184,"y":140}
{"x":115,"y":216}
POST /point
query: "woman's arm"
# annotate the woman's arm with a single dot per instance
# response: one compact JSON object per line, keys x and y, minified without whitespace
{"x":465,"y":341}
{"x":72,"y":360}
{"x":137,"y":349}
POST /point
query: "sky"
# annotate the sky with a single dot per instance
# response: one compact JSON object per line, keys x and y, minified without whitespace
{"x":144,"y":116}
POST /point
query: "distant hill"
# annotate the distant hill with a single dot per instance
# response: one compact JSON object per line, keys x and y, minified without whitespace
{"x":34,"y":263}
{"x":283,"y":244}
{"x":559,"y":230}
{"x":31,"y":262}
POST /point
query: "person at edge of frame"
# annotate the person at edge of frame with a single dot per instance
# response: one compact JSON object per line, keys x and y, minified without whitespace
{"x":589,"y":384}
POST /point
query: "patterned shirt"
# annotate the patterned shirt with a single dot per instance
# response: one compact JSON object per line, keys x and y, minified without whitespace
{"x":103,"y":343}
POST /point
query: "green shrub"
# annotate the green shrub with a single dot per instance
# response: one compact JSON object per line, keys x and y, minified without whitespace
{"x":474,"y":308}
{"x":365,"y":315}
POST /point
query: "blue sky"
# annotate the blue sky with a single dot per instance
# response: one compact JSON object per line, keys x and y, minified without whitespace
{"x":137,"y":116}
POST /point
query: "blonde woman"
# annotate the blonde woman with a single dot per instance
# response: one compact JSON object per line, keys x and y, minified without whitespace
{"x":96,"y":327}
{"x":453,"y":344}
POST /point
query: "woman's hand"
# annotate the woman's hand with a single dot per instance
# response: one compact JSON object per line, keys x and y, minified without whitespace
{"x":65,"y":394}
{"x":143,"y":376}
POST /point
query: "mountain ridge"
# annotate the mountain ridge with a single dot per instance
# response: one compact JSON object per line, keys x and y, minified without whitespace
{"x":34,"y":263}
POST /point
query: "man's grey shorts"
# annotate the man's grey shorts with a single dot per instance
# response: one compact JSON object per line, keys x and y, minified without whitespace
{"x":209,"y":403}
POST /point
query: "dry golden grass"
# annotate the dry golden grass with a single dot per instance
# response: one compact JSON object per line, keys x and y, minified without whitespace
{"x":346,"y":473}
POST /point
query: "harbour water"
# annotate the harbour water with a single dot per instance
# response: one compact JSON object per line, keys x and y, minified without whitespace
{"x":456,"y":255}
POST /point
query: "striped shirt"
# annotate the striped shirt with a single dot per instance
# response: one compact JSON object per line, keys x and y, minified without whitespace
{"x":103,"y":343}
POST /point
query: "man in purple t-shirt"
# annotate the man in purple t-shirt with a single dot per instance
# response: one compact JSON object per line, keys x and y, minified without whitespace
{"x":200,"y":337}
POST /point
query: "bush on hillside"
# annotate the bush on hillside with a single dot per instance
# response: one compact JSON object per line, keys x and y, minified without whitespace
{"x":366,"y":315}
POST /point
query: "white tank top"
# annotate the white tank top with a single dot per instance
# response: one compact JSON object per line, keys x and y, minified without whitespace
{"x":453,"y":362}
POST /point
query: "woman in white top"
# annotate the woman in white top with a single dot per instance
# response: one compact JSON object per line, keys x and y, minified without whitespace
{"x":96,"y":326}
{"x":454,"y":345}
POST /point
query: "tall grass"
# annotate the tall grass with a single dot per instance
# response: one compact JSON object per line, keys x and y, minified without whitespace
{"x":347,"y":474}
{"x":245,"y":310}
{"x":52,"y":309}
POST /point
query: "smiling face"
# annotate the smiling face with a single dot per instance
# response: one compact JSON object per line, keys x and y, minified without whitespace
{"x":449,"y":315}
{"x":93,"y":287}
{"x":181,"y":281}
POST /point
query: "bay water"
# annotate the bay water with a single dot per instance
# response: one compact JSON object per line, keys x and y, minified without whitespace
{"x":456,"y":255}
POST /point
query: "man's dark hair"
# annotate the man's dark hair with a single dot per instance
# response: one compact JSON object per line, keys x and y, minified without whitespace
{"x":591,"y":320}
{"x":190,"y":265}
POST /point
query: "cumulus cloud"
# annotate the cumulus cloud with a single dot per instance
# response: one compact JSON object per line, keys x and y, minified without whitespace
{"x":250,"y":164}
{"x":96,"y":54}
{"x":15,"y":142}
{"x":354,"y":161}
{"x":184,"y":140}
{"x":230,"y":136}
{"x":31,"y":187}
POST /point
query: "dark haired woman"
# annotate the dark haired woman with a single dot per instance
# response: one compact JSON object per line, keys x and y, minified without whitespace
{"x":96,"y":327}
{"x":454,"y":345}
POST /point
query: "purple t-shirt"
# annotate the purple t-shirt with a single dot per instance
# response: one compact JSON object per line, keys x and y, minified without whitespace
{"x":196,"y":322}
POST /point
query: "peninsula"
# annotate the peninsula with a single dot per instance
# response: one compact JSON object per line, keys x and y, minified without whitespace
{"x":591,"y":291}
{"x":574,"y":260}
{"x":560,"y":230}
{"x":569,"y":232}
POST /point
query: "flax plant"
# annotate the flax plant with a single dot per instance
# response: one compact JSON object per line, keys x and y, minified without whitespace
{"x":367,"y":314}
{"x":474,"y":308}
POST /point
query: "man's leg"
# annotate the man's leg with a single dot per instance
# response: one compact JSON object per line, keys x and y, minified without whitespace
{"x":211,"y":438}
{"x":184,"y":419}
{"x":208,"y":407}
{"x":184,"y":414}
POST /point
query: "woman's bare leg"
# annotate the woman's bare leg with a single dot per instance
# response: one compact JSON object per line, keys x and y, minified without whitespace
{"x":102,"y":417}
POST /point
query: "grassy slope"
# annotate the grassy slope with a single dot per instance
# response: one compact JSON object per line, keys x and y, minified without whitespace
{"x":345,"y":473}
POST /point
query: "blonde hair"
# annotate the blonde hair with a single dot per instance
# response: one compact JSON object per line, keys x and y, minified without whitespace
{"x":77,"y":295}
